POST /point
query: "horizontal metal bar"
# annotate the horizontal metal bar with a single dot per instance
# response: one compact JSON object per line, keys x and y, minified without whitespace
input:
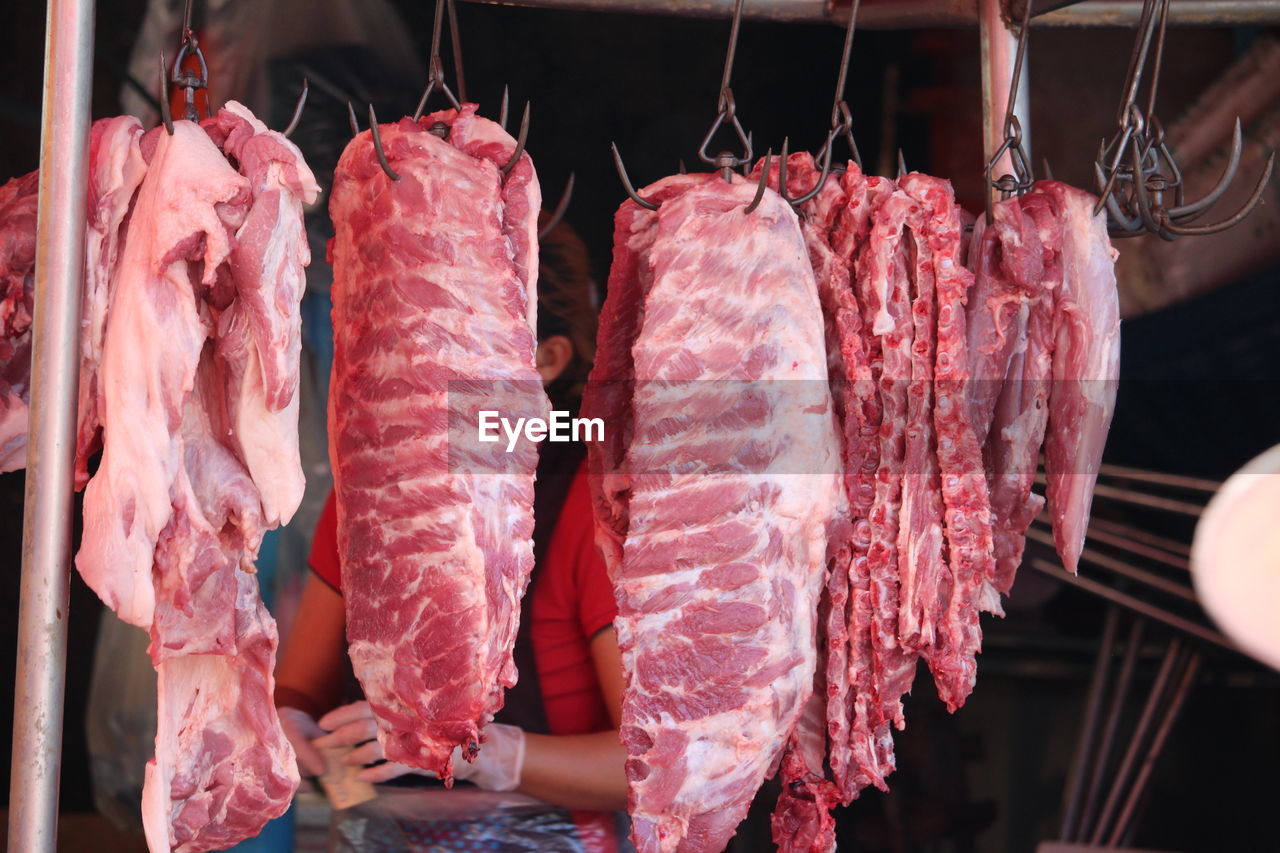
{"x":1173,"y":546}
{"x":1103,"y":490}
{"x":1142,"y":550}
{"x":1123,"y":569}
{"x":773,"y":10}
{"x":1182,"y":13}
{"x":918,"y":14}
{"x":1110,"y":492}
{"x":1167,"y":551}
{"x":1137,"y":605}
{"x":1177,"y":481}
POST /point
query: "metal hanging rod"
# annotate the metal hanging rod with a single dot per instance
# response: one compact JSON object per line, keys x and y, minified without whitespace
{"x":914,"y":14}
{"x":39,"y":689}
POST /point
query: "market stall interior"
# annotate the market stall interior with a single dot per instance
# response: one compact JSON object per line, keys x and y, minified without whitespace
{"x":1097,"y":720}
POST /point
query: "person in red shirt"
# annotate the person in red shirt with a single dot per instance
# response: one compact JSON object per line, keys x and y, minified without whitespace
{"x":556,"y":739}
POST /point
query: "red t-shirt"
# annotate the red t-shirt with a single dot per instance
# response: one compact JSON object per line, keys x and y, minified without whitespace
{"x":572,"y":602}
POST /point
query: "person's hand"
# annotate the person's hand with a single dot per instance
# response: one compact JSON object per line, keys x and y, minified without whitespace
{"x":300,"y":729}
{"x":496,"y":768}
{"x":500,"y":762}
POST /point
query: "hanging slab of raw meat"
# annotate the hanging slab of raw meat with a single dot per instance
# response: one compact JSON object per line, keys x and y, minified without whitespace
{"x":1086,"y":365}
{"x":116,"y":169}
{"x":952,"y":659}
{"x":187,"y":210}
{"x":871,"y":752}
{"x":731,"y":466}
{"x":259,"y":334}
{"x":434,"y":318}
{"x":18,"y":199}
{"x":921,"y":566}
{"x":802,"y":819}
{"x":882,"y":285}
{"x":223,"y":766}
{"x":1021,"y":408}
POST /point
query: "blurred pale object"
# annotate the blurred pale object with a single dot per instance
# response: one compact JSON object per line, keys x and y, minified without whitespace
{"x":1235,"y":557}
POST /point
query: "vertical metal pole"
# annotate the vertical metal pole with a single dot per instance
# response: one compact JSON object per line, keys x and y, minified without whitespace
{"x":46,"y":537}
{"x":999,"y":45}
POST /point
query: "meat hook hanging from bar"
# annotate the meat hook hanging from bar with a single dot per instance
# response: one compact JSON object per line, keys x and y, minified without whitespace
{"x":841,"y":124}
{"x":724,"y":162}
{"x":1136,"y":171}
{"x":1023,"y":176}
{"x":727,"y":111}
{"x":190,"y":81}
{"x":435,"y":67}
{"x":436,"y":82}
{"x":841,"y":118}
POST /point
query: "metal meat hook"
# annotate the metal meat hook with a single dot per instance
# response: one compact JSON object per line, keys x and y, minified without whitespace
{"x":841,"y":123}
{"x":1023,"y":175}
{"x":841,"y":118}
{"x":726,"y":111}
{"x":1137,"y":173}
{"x":435,"y":67}
{"x":297,"y":110}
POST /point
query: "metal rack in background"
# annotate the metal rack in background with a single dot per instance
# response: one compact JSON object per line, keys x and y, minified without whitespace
{"x":1150,"y":578}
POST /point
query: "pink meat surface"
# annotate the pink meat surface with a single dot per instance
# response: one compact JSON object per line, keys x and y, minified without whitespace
{"x":223,"y":767}
{"x":964,"y":486}
{"x":1007,"y":261}
{"x":259,"y":335}
{"x":116,"y":169}
{"x":1021,"y":411}
{"x":17,"y":288}
{"x":1086,"y":366}
{"x":882,"y":269}
{"x":187,"y":210}
{"x":733,"y":465}
{"x":434,"y":318}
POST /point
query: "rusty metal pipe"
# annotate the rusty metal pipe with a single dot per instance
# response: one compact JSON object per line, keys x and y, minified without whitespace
{"x":1123,"y":680}
{"x":1173,"y":546}
{"x":39,"y":689}
{"x":1137,"y":605}
{"x":1121,"y":568}
{"x":917,"y":14}
{"x":1125,"y":821}
{"x":1154,"y":700}
{"x":1092,"y":709}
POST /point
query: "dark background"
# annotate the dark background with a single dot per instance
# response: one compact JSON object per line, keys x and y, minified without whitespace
{"x":1200,"y":394}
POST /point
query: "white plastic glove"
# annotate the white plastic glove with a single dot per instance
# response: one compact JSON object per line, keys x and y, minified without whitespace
{"x":300,"y":729}
{"x":499,"y":764}
{"x":496,"y":768}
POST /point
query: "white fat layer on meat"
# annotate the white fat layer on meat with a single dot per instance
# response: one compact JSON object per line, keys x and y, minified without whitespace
{"x":734,"y":749}
{"x":145,"y":375}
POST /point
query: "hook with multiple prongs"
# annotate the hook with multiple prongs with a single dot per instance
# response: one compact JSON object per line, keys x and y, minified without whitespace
{"x":723,"y":162}
{"x":1136,"y":173}
{"x":727,"y":111}
{"x":435,"y":67}
{"x":841,"y":124}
